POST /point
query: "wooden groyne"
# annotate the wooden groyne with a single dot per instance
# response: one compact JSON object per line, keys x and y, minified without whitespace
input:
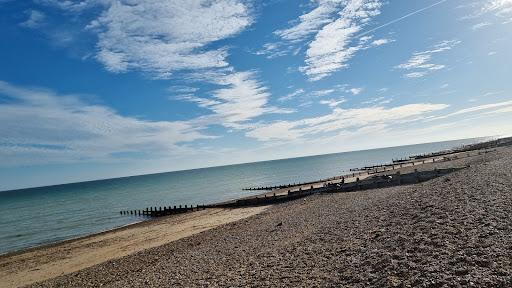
{"x":270,"y":188}
{"x":163,"y":211}
{"x":417,"y":160}
{"x":372,"y":182}
{"x":466,"y":148}
{"x":369,"y":177}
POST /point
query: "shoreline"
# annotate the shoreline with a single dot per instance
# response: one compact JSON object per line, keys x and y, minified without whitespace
{"x":45,"y":262}
{"x":316,"y":183}
{"x":244,"y":163}
{"x":451,"y":231}
{"x":77,"y":238}
{"x":39,"y":263}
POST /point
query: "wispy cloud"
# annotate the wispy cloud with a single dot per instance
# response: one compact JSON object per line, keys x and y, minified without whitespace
{"x":480,"y":25}
{"x":292,"y":95}
{"x":337,"y":26}
{"x":356,"y":91}
{"x":415,"y":12}
{"x":342,"y":119}
{"x":40,"y":126}
{"x":380,"y":42}
{"x":332,"y":102}
{"x":241,"y":98}
{"x":482,"y":108}
{"x":273,"y":50}
{"x":322,"y":93}
{"x":420,"y":64}
{"x":501,"y":8}
{"x":182,"y":89}
{"x":75,"y":5}
{"x":499,"y":107}
{"x":335,"y":44}
{"x":311,"y":22}
{"x":378,"y":101}
{"x":35,"y":19}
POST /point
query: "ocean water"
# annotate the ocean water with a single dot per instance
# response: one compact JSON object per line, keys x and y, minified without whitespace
{"x":37,"y":216}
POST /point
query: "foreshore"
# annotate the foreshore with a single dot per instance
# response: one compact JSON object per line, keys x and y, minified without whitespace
{"x":453,"y":230}
{"x":49,"y":261}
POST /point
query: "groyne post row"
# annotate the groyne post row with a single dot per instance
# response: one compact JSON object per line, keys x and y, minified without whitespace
{"x":368,"y":170}
{"x":416,"y":161}
{"x":359,"y":185}
{"x":163,"y":211}
{"x":269,"y":188}
{"x":465,"y":148}
{"x":373,"y":182}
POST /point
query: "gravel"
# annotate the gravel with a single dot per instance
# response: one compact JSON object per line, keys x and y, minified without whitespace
{"x":453,"y":231}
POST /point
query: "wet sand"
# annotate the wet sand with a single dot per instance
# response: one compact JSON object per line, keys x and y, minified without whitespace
{"x":19,"y":269}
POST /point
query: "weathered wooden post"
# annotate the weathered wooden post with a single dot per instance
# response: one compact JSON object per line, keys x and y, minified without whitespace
{"x":399,"y":177}
{"x":416,"y":176}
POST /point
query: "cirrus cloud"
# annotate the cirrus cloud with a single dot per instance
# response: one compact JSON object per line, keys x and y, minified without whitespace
{"x":40,"y":126}
{"x":419,"y":65}
{"x":342,"y":119}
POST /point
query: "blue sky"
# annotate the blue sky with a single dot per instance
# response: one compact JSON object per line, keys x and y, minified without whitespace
{"x":95,"y":89}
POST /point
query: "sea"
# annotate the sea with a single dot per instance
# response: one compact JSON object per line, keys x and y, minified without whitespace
{"x":43,"y":215}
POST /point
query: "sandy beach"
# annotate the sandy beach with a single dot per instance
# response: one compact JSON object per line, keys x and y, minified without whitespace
{"x":34,"y":265}
{"x":452,"y":231}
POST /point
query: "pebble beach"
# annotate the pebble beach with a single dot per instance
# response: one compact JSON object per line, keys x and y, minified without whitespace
{"x":452,"y":231}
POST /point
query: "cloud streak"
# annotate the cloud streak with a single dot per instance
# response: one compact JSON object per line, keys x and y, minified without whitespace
{"x":35,"y":19}
{"x":334,"y":45}
{"x":340,"y":120}
{"x":39,"y":126}
{"x":241,"y":98}
{"x":420,"y":65}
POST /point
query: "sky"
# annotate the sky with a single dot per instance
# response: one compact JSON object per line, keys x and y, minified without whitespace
{"x":94,"y":89}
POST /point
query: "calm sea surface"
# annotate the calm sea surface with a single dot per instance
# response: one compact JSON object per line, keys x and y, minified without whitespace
{"x":32,"y":217}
